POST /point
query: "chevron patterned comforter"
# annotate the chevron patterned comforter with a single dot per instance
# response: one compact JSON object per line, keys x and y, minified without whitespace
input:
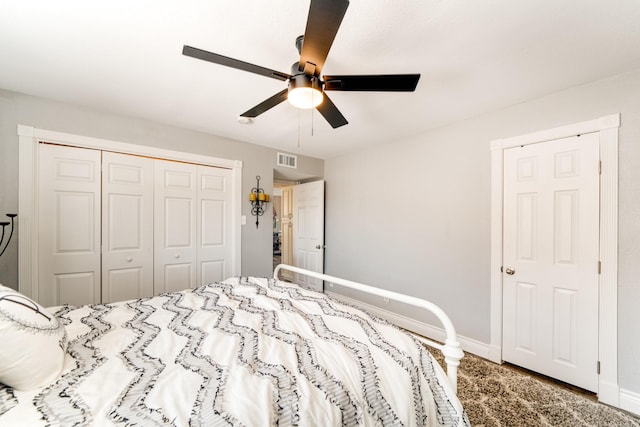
{"x":243,"y":352}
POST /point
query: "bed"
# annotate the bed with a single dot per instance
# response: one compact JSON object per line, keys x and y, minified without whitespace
{"x":246,"y":351}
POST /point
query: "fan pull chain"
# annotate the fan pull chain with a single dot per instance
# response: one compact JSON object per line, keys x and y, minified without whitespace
{"x":313,"y":94}
{"x":298,"y":128}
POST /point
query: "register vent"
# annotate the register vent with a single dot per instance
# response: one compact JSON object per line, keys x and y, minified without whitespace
{"x":287,"y":160}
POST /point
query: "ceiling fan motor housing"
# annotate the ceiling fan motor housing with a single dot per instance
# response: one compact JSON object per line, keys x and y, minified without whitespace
{"x":303,"y":80}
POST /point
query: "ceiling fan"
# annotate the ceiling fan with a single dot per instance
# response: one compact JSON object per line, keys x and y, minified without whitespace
{"x":305,"y":87}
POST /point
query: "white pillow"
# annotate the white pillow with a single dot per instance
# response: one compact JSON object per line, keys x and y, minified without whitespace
{"x":32,"y":342}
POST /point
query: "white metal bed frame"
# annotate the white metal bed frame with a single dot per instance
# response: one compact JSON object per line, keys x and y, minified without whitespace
{"x":451,"y":347}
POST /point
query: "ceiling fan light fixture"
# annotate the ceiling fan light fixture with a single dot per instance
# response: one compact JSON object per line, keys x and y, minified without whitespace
{"x":304,"y":92}
{"x":305,"y":97}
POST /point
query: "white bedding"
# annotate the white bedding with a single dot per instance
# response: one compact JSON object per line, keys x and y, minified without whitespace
{"x":246,"y":351}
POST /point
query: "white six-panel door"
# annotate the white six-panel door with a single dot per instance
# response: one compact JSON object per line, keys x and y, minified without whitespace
{"x":308,"y":234}
{"x":127,"y":227}
{"x":69,"y":226}
{"x":550,"y":286}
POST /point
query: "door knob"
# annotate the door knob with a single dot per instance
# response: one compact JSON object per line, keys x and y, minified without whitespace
{"x":129,"y":259}
{"x":510,"y":271}
{"x":318,"y":246}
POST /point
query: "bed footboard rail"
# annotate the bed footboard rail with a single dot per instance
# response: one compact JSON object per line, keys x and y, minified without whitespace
{"x":451,"y":349}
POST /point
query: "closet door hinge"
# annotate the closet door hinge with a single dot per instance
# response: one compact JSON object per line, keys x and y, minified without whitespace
{"x":598,"y":367}
{"x":599,"y":267}
{"x":599,"y":167}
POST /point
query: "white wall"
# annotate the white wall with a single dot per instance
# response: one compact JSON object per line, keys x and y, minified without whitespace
{"x":50,"y":115}
{"x":413,"y":215}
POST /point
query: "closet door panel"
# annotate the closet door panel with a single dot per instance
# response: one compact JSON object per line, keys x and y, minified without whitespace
{"x":69,"y":225}
{"x":214,"y":245}
{"x":178,"y":276}
{"x":175,"y":226}
{"x":178,"y":222}
{"x":75,"y":288}
{"x":212,"y":271}
{"x":123,"y":284}
{"x":127,"y":227}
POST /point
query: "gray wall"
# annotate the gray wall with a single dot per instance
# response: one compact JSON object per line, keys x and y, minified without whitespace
{"x":50,"y":115}
{"x":414,"y":215}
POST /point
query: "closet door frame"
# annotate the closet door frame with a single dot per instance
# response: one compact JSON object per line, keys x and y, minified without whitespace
{"x":29,"y":139}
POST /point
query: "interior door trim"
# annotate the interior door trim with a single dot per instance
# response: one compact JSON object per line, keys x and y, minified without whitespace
{"x":608,"y":388}
{"x":29,"y":139}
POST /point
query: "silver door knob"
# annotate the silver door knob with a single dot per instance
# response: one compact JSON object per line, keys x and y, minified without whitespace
{"x":510,"y":271}
{"x":318,"y":246}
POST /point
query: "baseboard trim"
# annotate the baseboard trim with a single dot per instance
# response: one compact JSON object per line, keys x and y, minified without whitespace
{"x":434,"y":333}
{"x":630,"y":401}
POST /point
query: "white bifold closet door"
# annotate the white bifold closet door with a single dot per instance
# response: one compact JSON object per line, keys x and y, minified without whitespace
{"x":127,"y":227}
{"x":68,"y":226}
{"x":192,"y":244}
{"x":213,"y":237}
{"x":114,"y":227}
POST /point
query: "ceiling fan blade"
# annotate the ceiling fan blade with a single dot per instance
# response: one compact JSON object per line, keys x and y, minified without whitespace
{"x":325,"y":17}
{"x":373,"y":83}
{"x":331,"y":113}
{"x":267,"y":104}
{"x":233,"y":63}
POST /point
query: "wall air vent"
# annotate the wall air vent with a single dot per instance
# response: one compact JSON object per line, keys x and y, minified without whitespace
{"x":287,"y":160}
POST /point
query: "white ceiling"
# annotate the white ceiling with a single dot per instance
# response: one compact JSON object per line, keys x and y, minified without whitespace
{"x":125,"y":57}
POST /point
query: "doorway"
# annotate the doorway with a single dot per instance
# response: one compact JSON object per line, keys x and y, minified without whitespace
{"x":607,"y":130}
{"x":282,"y":215}
{"x":298,"y":229}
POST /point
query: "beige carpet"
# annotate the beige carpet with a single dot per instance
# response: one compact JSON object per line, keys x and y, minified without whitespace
{"x":500,"y":395}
